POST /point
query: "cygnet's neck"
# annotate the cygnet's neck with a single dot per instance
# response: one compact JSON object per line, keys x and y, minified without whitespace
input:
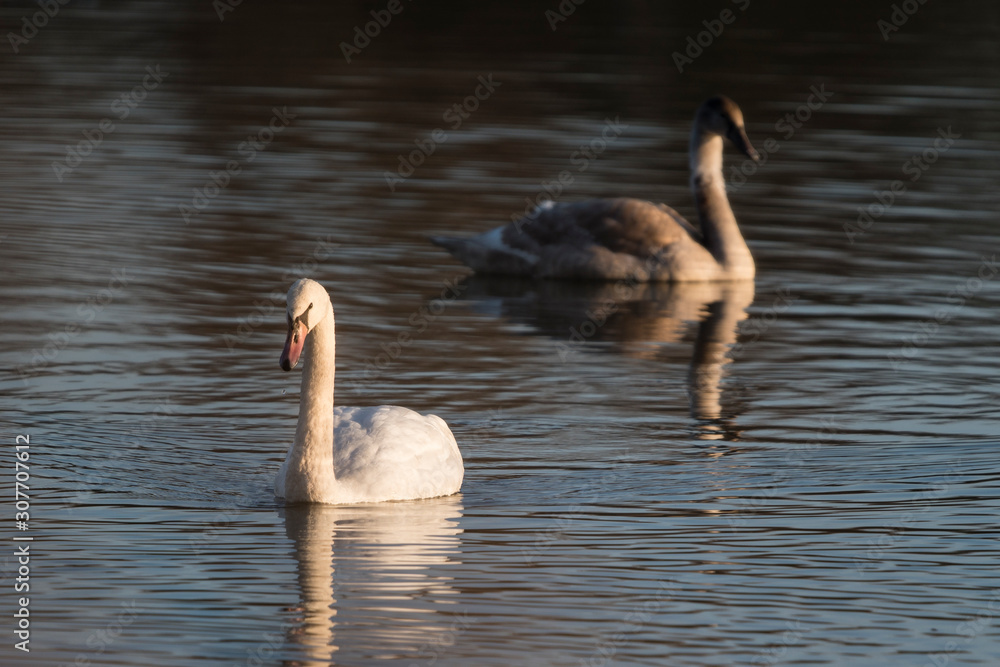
{"x":310,"y":462}
{"x":718,"y":223}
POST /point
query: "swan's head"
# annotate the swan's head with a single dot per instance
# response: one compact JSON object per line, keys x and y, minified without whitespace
{"x":308,"y":305}
{"x":720,"y":115}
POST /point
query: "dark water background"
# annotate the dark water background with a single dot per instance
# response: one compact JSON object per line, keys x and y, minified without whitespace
{"x":801,"y":473}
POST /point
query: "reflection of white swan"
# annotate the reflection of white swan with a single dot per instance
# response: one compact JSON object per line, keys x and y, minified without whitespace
{"x":619,"y":239}
{"x":373,"y":579}
{"x":353,"y":455}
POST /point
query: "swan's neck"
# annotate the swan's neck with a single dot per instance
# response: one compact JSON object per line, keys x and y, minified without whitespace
{"x":718,"y":224}
{"x":310,"y":462}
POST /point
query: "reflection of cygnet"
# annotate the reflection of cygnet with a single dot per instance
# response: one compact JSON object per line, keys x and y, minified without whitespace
{"x":716,"y":336}
{"x":638,"y":318}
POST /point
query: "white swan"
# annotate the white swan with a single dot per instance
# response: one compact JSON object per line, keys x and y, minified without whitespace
{"x":630,"y":239}
{"x":354,"y":455}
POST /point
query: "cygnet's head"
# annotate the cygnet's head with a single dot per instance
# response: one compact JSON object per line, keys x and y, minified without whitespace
{"x":720,"y":115}
{"x":308,"y":305}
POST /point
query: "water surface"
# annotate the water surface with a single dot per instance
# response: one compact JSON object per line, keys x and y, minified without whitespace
{"x":797,"y":471}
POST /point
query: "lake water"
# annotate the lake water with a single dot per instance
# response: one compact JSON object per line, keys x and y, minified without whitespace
{"x":802,"y":471}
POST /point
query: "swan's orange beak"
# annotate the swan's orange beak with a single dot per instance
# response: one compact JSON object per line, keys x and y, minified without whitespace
{"x":293,"y":346}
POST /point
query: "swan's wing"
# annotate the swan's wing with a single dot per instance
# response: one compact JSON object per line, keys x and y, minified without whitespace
{"x":631,"y":226}
{"x":488,"y":253}
{"x":580,"y":238}
{"x":388,"y":452}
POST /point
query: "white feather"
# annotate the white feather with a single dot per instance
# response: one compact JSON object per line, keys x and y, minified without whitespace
{"x":358,"y":455}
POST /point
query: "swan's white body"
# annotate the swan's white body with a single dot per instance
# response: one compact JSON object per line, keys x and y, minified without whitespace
{"x":630,"y":239}
{"x":355,"y":455}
